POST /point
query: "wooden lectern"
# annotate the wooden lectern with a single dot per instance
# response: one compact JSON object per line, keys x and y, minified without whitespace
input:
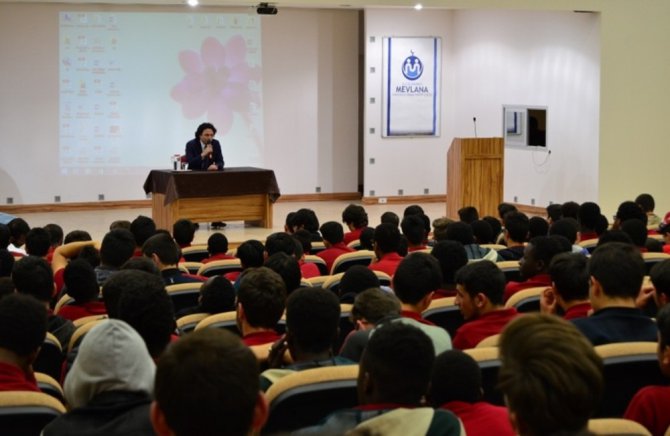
{"x":475,"y":169}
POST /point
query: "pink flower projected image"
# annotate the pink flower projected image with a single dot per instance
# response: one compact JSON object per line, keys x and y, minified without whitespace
{"x":216,"y":83}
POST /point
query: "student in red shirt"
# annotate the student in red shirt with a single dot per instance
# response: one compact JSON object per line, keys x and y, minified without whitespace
{"x":660,"y":278}
{"x":356,"y":219}
{"x":479,"y":291}
{"x":217,"y":247}
{"x":588,"y":217}
{"x":81,"y":285}
{"x":183,"y":232}
{"x":260,"y":304}
{"x":415,"y":231}
{"x":452,"y":256}
{"x":387,"y":243}
{"x":569,"y":287}
{"x":534,"y":265}
{"x":333,"y":239}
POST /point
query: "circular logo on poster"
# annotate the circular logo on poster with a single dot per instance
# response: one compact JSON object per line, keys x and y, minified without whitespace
{"x":412,"y":68}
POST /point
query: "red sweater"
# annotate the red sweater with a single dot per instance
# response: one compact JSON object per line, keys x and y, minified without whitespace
{"x":577,"y":311}
{"x":650,"y":408}
{"x":481,"y":418}
{"x":259,"y":338}
{"x":220,"y":256}
{"x":473,"y":332}
{"x":537,"y":280}
{"x":333,"y":252}
{"x":12,"y":378}
{"x":76,"y":311}
{"x":388,"y":263}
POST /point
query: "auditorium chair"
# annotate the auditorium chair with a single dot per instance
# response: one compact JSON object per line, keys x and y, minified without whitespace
{"x":317,"y":246}
{"x":184,"y":295}
{"x":347,"y":260}
{"x":80,"y":332}
{"x":191,"y":267}
{"x":488,"y":359}
{"x":186,"y":324}
{"x":225,"y":320}
{"x":50,"y":357}
{"x":651,"y":259}
{"x":526,"y":300}
{"x":589,"y":244}
{"x":320,"y":263}
{"x":24,"y":413}
{"x":195,"y":253}
{"x":616,"y":426}
{"x":443,"y":312}
{"x":511,"y":270}
{"x":50,"y":386}
{"x":490,"y":341}
{"x":219,"y":267}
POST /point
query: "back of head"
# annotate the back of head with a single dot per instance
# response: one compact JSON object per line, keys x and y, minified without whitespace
{"x":355,"y":215}
{"x":397,"y":361}
{"x":374,"y":305}
{"x":306,"y":219}
{"x":461,"y":232}
{"x":55,"y":234}
{"x":554,"y":212}
{"x":250,"y":253}
{"x":468,"y":214}
{"x":332,"y":232}
{"x":544,"y":248}
{"x":588,"y":215}
{"x":417,"y":275}
{"x":637,"y":230}
{"x":619,"y":269}
{"x":367,"y":239}
{"x":23,"y":324}
{"x":630,"y":210}
{"x":217,"y":243}
{"x":38,"y":242}
{"x":390,"y":218}
{"x":164,"y":247}
{"x":18,"y":229}
{"x":566,"y":227}
{"x":357,"y":279}
{"x":452,"y":256}
{"x":482,"y":232}
{"x":80,"y":281}
{"x":79,"y":235}
{"x":413,"y":209}
{"x":6,"y":263}
{"x":32,"y":275}
{"x":142,"y":264}
{"x":495,"y":224}
{"x":117,"y":247}
{"x":660,"y":277}
{"x":440,"y":228}
{"x":142,"y":229}
{"x":570,"y":275}
{"x":111,"y":357}
{"x":517,"y":226}
{"x":304,"y":245}
{"x":456,"y":377}
{"x":413,"y":228}
{"x":646,"y":202}
{"x":504,"y":208}
{"x":537,"y":226}
{"x":207,"y":383}
{"x":663,"y":323}
{"x":262,"y":294}
{"x":280,"y":242}
{"x":312,"y":319}
{"x":614,"y":236}
{"x":119,"y":224}
{"x":570,"y":209}
{"x":217,"y":295}
{"x":287,"y":267}
{"x":602,"y":224}
{"x":550,"y":375}
{"x":183,"y":231}
{"x":4,"y":236}
{"x":482,"y":277}
{"x":387,"y":238}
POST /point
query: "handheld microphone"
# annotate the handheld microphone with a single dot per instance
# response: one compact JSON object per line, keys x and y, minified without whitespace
{"x":474,"y":122}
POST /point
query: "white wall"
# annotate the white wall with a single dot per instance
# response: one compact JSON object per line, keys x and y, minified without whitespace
{"x":310,"y":85}
{"x":491,"y":58}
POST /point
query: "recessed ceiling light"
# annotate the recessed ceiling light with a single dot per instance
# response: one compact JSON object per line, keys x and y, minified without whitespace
{"x":192,"y":3}
{"x":418,"y":6}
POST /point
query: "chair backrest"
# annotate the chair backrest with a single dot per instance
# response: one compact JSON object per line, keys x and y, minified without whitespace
{"x":195,"y":253}
{"x":191,"y":267}
{"x":526,"y":300}
{"x":186,"y":324}
{"x":50,"y":357}
{"x":320,"y":263}
{"x":306,"y":397}
{"x":63,"y":301}
{"x":355,"y":244}
{"x":511,"y":270}
{"x":225,"y":320}
{"x":86,"y":319}
{"x":493,"y":246}
{"x":184,"y":295}
{"x":317,"y":281}
{"x":628,"y":366}
{"x":651,"y":259}
{"x":316,"y":247}
{"x":443,"y":312}
{"x":490,"y":341}
{"x":384,"y":279}
{"x":616,"y":426}
{"x":589,"y":244}
{"x":27,"y":413}
{"x":220,"y":267}
{"x":80,"y":332}
{"x":333,"y":282}
{"x":488,"y":359}
{"x":347,"y":260}
{"x":50,"y":386}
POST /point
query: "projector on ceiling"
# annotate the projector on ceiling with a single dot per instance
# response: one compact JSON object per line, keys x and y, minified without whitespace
{"x":266,"y":9}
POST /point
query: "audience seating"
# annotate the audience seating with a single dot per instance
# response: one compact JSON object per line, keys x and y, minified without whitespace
{"x":384,"y":279}
{"x":526,"y":300}
{"x":191,"y":267}
{"x":346,"y":260}
{"x":346,"y":326}
{"x":50,"y":357}
{"x":320,"y":263}
{"x":355,"y":244}
{"x":495,"y":247}
{"x":219,"y":267}
{"x":27,"y":413}
{"x":443,"y":312}
{"x":80,"y":332}
{"x":183,"y":268}
{"x":65,"y":300}
{"x":186,"y":324}
{"x":195,"y":253}
{"x":184,"y":295}
{"x":50,"y":386}
{"x":511,"y":270}
{"x":86,"y":319}
{"x":491,"y":341}
{"x":488,"y":359}
{"x":333,"y":283}
{"x":225,"y":320}
{"x":628,"y":366}
{"x":306,"y":397}
{"x":316,"y":281}
{"x":651,"y":259}
{"x":589,"y":244}
{"x":616,"y":426}
{"x":317,"y":246}
{"x":305,"y":284}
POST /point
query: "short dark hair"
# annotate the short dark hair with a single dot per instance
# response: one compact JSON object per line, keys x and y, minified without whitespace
{"x":570,"y":209}
{"x":79,"y":235}
{"x":307,"y":219}
{"x":550,"y":374}
{"x":414,"y":229}
{"x":504,"y":208}
{"x":163,"y":246}
{"x":304,"y":238}
{"x":6,"y":263}
{"x":601,"y":225}
{"x":313,"y":319}
{"x":663,"y":323}
{"x":18,"y":228}
{"x":358,"y":278}
{"x":537,"y":226}
{"x":355,"y":215}
{"x":630,"y":210}
{"x":80,"y":281}
{"x":387,"y":238}
{"x":619,"y":269}
{"x":413,"y":209}
{"x":55,"y":234}
{"x":367,"y":238}
{"x":545,"y":248}
{"x":456,"y":377}
{"x":287,"y":267}
{"x":417,"y":275}
{"x":4,"y":236}
{"x":482,"y":231}
{"x":660,"y":277}
{"x":468,"y":214}
{"x":117,"y":247}
{"x":390,"y":218}
{"x":262,"y":294}
{"x":142,"y":229}
{"x":461,"y":232}
{"x":33,"y":276}
{"x":332,"y":232}
{"x":217,"y":295}
{"x":38,"y":242}
{"x":250,"y":253}
{"x":280,"y":242}
{"x":495,"y":224}
{"x":141,"y":264}
{"x":183,"y":231}
{"x":483,"y":277}
{"x":398,"y":359}
{"x":517,"y":224}
{"x":374,"y":305}
{"x":145,"y":305}
{"x":217,"y":243}
{"x":646,"y":202}
{"x":589,"y":214}
{"x":221,"y":399}
{"x":570,"y":274}
{"x":614,"y":236}
{"x":567,"y":227}
{"x":452,"y":256}
{"x":202,"y":127}
{"x":637,"y":230}
{"x":23,"y":324}
{"x":554,"y":211}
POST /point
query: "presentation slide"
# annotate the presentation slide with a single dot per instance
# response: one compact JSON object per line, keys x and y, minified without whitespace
{"x":134,"y":87}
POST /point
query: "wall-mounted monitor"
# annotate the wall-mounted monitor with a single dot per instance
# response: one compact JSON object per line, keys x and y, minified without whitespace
{"x":525,"y":126}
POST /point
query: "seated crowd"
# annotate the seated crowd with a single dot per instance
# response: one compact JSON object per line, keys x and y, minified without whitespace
{"x":127,"y":368}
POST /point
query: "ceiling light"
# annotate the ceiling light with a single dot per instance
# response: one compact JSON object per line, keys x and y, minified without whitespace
{"x":192,"y":3}
{"x":418,"y":6}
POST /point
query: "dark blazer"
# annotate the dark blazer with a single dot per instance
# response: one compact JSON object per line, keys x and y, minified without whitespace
{"x":196,"y":162}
